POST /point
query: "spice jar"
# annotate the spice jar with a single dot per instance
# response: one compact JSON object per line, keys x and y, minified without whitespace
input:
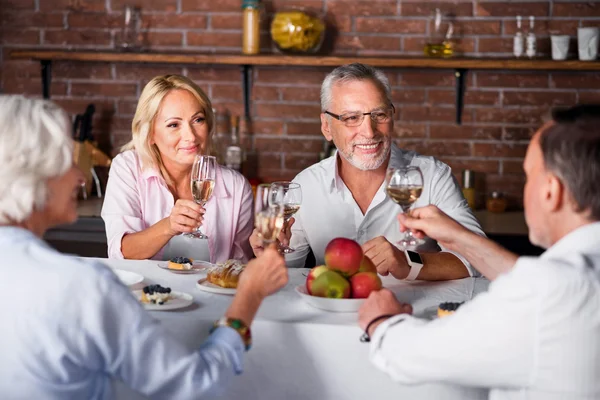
{"x":496,"y":202}
{"x":251,"y":27}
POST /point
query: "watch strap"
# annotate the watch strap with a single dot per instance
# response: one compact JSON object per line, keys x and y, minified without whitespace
{"x":415,"y":268}
{"x":239,"y":326}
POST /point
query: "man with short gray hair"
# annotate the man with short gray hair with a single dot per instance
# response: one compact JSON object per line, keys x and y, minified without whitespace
{"x":536,"y":333}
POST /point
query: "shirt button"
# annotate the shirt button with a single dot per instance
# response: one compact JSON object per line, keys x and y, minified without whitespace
{"x":361,"y":233}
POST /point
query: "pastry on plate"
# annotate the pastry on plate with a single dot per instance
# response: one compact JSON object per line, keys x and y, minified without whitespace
{"x":226,"y":275}
{"x":155,"y":294}
{"x":180,"y":263}
{"x":445,"y":309}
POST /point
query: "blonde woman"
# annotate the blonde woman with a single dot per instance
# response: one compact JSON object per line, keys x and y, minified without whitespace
{"x":149,"y":203}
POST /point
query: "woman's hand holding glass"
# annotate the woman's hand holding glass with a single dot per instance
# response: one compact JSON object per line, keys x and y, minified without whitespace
{"x":404,"y":186}
{"x":186,"y":216}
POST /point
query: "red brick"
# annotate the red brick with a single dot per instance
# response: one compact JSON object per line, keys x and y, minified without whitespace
{"x":514,"y":115}
{"x":32,"y":87}
{"x":226,"y":21}
{"x":311,"y":6}
{"x":576,"y":9}
{"x":230,"y":92}
{"x":20,"y":69}
{"x":269,"y":161}
{"x":287,"y":111}
{"x":80,"y":70}
{"x":273,"y":175}
{"x":483,"y":166}
{"x":289,"y":145}
{"x":94,"y":20}
{"x":359,"y":42}
{"x":578,"y":80}
{"x":408,"y":96}
{"x":589,"y":97}
{"x":214,"y":39}
{"x":301,"y":94}
{"x":228,"y":107}
{"x":544,"y":27}
{"x":126,"y":107}
{"x":18,"y":4}
{"x":145,"y":71}
{"x":426,"y":113}
{"x":120,"y":123}
{"x":409,"y":131}
{"x":478,"y":28}
{"x":78,"y":105}
{"x":495,"y":45}
{"x":18,"y":37}
{"x":104,"y":89}
{"x":512,"y":167}
{"x":164,"y":39}
{"x":499,"y":150}
{"x":23,"y":19}
{"x":390,"y":25}
{"x":436,"y":148}
{"x":86,"y":37}
{"x":514,"y":133}
{"x":427,"y":78}
{"x":175,"y":21}
{"x":339,"y":23}
{"x":507,"y":183}
{"x":300,"y":161}
{"x":301,"y":77}
{"x":471,"y":97}
{"x":212,"y":6}
{"x":146,"y":5}
{"x":217,"y":73}
{"x":267,"y":93}
{"x":506,"y":9}
{"x":464,"y":132}
{"x":267,"y":127}
{"x":508,"y":80}
{"x":539,"y":98}
{"x":73,"y":5}
{"x":362,"y":8}
{"x":304,"y":128}
{"x":427,"y":8}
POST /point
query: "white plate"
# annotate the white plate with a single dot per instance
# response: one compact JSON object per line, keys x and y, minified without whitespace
{"x":176,"y":300}
{"x":197,"y":266}
{"x":335,"y":305}
{"x":127,"y":277}
{"x":206,"y":286}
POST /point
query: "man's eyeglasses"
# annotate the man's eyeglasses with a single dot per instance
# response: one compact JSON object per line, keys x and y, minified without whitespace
{"x":355,"y":118}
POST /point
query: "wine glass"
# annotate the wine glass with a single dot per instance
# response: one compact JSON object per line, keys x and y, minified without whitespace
{"x":268,"y":215}
{"x":202,"y":183}
{"x":290,"y":195}
{"x":404,"y":187}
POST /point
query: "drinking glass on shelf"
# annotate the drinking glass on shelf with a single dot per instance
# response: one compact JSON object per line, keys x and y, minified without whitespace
{"x":290,"y":195}
{"x":268,"y":215}
{"x":203,"y":183}
{"x":404,"y":187}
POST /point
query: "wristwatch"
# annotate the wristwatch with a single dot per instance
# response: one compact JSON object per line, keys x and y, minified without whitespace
{"x":415,"y":262}
{"x":239,"y":326}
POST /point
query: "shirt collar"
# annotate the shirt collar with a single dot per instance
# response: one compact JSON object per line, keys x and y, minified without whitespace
{"x":584,"y":238}
{"x":398,"y":158}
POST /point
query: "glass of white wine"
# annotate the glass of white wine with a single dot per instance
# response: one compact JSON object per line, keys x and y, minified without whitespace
{"x":290,"y":195}
{"x":404,"y":187}
{"x":268,"y":216}
{"x":203,"y":183}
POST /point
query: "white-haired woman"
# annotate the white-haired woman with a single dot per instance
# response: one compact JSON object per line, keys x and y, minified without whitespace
{"x":69,"y":326}
{"x":149,"y":203}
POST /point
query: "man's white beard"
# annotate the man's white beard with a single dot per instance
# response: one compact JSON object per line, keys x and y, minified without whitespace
{"x":368,"y":165}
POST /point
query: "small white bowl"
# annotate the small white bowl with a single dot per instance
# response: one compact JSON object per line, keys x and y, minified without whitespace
{"x":327,"y":304}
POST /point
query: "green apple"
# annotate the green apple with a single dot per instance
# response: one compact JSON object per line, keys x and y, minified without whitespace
{"x":312,"y":275}
{"x":330,"y":284}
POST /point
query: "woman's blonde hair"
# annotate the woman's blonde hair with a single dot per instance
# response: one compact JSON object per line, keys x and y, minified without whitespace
{"x":147,"y":108}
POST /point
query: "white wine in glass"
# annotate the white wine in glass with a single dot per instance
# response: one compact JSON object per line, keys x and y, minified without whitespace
{"x":268,"y":218}
{"x":202,"y":184}
{"x":404,"y":186}
{"x":290,"y":195}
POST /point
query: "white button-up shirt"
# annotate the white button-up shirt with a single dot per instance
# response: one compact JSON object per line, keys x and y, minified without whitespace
{"x":69,"y":326}
{"x":534,"y":335}
{"x":328,"y":209}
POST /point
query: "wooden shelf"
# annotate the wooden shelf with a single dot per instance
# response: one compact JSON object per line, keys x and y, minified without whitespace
{"x":308,"y":61}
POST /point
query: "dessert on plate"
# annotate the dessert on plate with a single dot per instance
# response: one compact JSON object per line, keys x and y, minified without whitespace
{"x":226,"y":275}
{"x":180,"y":263}
{"x":155,"y":294}
{"x":448,"y":308}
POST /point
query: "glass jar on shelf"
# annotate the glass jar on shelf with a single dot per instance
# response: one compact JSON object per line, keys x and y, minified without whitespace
{"x":439,"y":43}
{"x":298,"y":31}
{"x":496,"y":202}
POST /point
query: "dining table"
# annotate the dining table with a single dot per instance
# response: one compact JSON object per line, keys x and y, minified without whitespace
{"x":298,"y":351}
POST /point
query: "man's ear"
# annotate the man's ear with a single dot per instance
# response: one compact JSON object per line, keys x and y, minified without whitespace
{"x":555,"y":192}
{"x":325,"y":128}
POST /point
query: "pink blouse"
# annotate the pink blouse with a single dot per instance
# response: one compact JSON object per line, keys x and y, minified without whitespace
{"x":137,"y":199}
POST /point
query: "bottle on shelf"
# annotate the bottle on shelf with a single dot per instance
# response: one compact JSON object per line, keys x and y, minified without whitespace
{"x":518,"y":39}
{"x":531,"y":39}
{"x":251,"y":26}
{"x":439,"y":44}
{"x":469,"y":187}
{"x":496,"y":202}
{"x":233,"y":155}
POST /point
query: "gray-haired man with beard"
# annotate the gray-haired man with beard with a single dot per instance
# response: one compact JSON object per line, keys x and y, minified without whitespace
{"x":344,"y":195}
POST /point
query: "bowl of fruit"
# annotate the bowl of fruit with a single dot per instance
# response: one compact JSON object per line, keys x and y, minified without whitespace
{"x":344,"y":282}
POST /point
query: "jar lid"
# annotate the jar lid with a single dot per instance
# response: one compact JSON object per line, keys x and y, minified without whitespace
{"x":250,"y":4}
{"x":496,"y":195}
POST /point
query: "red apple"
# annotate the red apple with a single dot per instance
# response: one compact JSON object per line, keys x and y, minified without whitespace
{"x":331,"y":284}
{"x":367,"y":265}
{"x":363,"y":283}
{"x":344,"y":256}
{"x":316,"y":271}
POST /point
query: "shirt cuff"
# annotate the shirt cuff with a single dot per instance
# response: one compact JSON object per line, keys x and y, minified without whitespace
{"x":230,"y":339}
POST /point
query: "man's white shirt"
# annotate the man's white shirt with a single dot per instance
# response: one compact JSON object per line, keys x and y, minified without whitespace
{"x":328,"y":209}
{"x":534,"y":335}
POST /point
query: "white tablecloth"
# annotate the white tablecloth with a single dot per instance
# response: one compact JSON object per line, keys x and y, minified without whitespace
{"x":300,"y":352}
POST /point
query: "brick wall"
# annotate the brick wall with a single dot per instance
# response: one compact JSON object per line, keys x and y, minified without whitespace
{"x":501,"y":109}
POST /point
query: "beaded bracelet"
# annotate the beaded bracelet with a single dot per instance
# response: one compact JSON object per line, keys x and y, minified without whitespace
{"x":365,"y":338}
